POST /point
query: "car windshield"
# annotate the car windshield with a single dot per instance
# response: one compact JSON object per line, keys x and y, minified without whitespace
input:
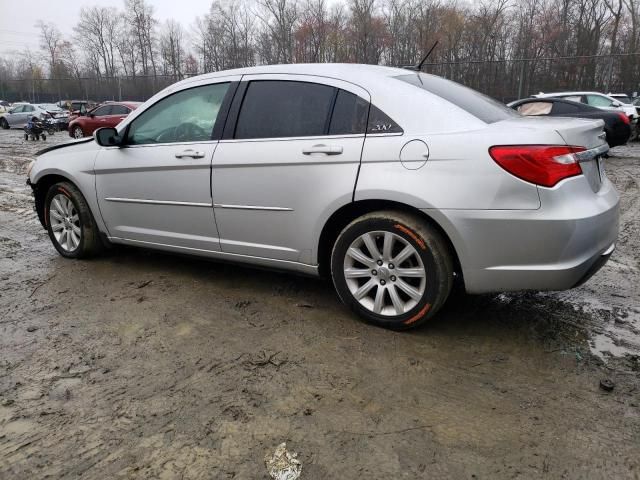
{"x":477,"y":104}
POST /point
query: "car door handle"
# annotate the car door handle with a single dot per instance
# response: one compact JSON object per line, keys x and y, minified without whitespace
{"x":190,"y":154}
{"x":326,"y":149}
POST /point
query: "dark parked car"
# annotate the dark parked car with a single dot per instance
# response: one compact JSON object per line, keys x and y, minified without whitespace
{"x":106,"y":115}
{"x":617,"y":125}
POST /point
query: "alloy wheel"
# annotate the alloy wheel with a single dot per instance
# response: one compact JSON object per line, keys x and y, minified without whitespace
{"x":384,"y":273}
{"x":77,"y":133}
{"x":65,"y":222}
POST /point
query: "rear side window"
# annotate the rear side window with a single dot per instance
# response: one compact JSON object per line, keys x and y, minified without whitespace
{"x":480,"y":106}
{"x":349,"y":114}
{"x":380,"y":122}
{"x":535,"y":108}
{"x":574,"y":98}
{"x":119,"y":110}
{"x":273,"y":108}
{"x":559,"y":108}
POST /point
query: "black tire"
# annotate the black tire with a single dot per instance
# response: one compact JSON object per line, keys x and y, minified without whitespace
{"x":89,"y":243}
{"x":44,"y":137}
{"x":26,"y":137}
{"x":429,"y":245}
{"x":76,"y":129}
{"x":4,"y":124}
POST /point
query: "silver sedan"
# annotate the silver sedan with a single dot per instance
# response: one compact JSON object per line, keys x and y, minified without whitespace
{"x":393,"y":183}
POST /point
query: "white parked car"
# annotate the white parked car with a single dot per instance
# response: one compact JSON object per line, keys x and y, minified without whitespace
{"x":596,"y":99}
{"x":622,"y":97}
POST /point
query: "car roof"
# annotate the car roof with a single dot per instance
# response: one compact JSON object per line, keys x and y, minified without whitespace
{"x":352,"y":72}
{"x":377,"y":81}
{"x":126,"y":104}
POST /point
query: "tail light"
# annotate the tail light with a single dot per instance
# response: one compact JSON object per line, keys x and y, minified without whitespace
{"x":543,"y":165}
{"x":624,"y":118}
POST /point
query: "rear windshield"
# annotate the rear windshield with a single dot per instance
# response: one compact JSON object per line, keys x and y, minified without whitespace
{"x":622,"y":98}
{"x":480,"y":106}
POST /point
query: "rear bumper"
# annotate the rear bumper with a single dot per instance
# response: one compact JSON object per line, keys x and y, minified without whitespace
{"x":556,"y":247}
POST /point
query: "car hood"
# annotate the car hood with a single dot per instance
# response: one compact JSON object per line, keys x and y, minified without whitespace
{"x":72,"y":144}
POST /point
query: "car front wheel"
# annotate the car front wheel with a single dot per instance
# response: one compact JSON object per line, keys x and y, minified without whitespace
{"x":71,"y":226}
{"x":393,"y":269}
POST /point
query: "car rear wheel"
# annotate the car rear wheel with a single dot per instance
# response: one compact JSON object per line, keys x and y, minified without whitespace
{"x":77,"y":132}
{"x":393,"y":269}
{"x":71,"y":226}
{"x":4,"y":124}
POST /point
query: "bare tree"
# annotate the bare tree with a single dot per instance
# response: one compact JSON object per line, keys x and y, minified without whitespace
{"x":142,"y":26}
{"x":172,"y":48}
{"x":279,"y":18}
{"x":97,"y":33}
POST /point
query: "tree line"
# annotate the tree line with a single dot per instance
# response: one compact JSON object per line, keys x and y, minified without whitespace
{"x":501,"y":47}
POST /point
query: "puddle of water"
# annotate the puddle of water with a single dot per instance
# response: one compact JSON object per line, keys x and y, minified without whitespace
{"x":615,"y":339}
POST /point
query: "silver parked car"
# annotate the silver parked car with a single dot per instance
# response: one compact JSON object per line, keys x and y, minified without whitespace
{"x":390,"y":181}
{"x":20,"y":113}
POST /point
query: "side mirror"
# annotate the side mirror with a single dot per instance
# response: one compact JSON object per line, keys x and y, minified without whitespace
{"x":107,"y":137}
{"x":91,"y":115}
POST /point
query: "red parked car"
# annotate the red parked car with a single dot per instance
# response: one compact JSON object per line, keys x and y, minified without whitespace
{"x":106,"y":115}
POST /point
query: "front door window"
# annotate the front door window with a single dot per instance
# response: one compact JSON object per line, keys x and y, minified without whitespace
{"x":186,"y":116}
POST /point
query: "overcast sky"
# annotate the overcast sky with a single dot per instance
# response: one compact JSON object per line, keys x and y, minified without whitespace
{"x":18,"y":17}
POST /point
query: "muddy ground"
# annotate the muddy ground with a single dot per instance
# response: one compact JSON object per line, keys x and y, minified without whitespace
{"x":146,"y":365}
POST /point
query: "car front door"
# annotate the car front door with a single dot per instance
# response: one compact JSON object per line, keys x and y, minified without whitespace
{"x":15,"y":116}
{"x":289,"y":156}
{"x":156,"y":188}
{"x":97,"y":119}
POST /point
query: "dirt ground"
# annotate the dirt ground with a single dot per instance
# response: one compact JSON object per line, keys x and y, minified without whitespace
{"x":146,"y":365}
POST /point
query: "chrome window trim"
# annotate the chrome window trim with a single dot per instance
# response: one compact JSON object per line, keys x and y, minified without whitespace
{"x":290,"y":139}
{"x":166,"y":144}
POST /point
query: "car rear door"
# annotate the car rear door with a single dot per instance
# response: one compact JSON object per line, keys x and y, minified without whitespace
{"x":156,"y":188}
{"x":288,"y":158}
{"x":117,"y":114}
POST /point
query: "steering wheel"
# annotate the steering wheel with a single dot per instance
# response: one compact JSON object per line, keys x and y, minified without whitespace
{"x":188,"y":132}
